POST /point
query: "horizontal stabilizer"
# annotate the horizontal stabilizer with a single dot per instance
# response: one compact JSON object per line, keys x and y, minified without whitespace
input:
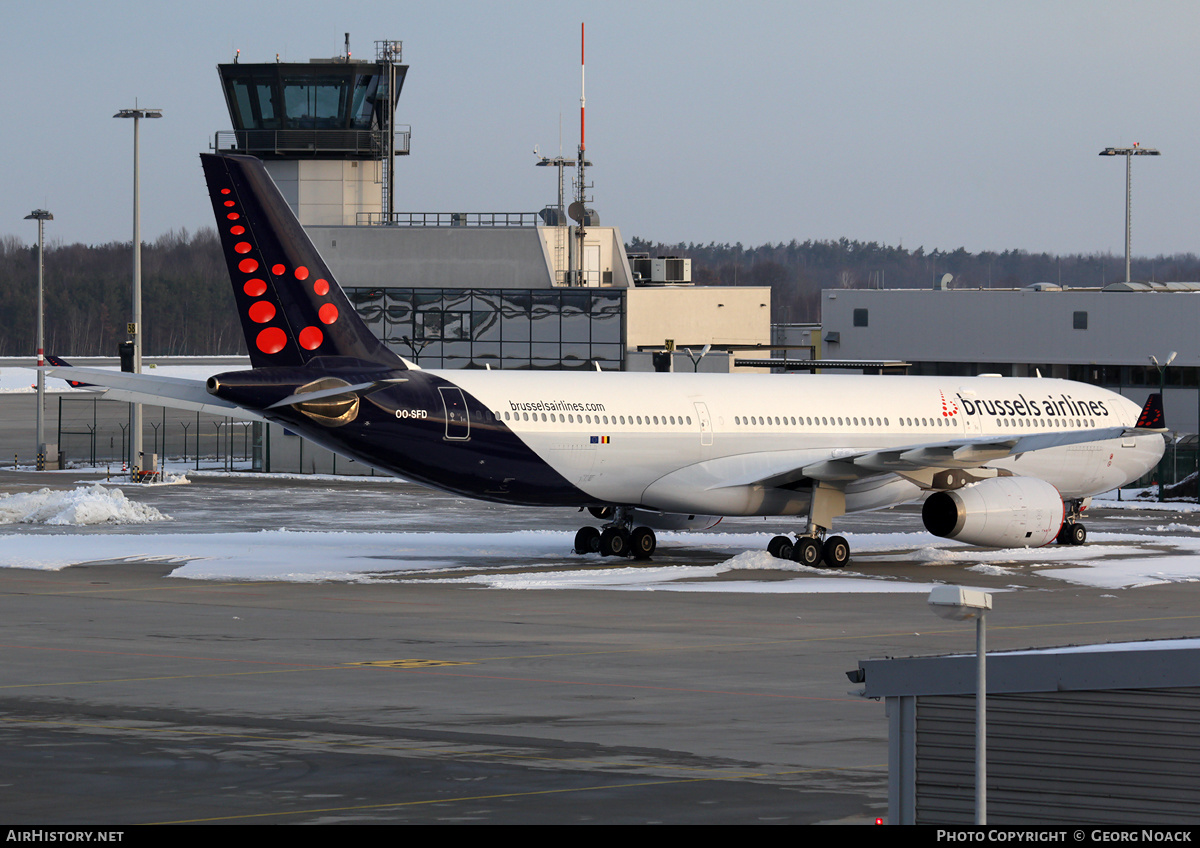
{"x":175,"y":392}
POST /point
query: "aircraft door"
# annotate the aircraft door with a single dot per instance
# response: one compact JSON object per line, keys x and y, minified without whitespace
{"x":458,"y":421}
{"x":969,"y":425}
{"x":706,"y":431}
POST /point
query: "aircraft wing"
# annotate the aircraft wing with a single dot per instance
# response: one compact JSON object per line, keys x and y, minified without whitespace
{"x":175,"y":392}
{"x":952,"y":453}
{"x":917,"y":461}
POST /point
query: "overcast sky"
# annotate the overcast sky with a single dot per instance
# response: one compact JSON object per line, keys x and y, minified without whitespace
{"x":943,"y":124}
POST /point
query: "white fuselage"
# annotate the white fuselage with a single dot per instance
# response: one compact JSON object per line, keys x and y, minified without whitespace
{"x":697,"y":443}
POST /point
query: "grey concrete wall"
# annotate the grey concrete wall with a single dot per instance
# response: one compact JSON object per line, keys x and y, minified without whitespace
{"x":1124,"y":328}
{"x":434,"y":257}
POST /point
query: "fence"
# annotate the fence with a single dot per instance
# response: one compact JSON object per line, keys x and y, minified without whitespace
{"x":92,"y":431}
{"x":1179,"y":463}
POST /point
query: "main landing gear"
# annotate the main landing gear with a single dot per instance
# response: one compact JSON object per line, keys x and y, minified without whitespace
{"x":814,"y":548}
{"x":834,"y":552}
{"x":618,"y":538}
{"x":1072,"y":532}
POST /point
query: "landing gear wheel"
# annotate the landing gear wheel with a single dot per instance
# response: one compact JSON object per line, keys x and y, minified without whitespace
{"x":1076,"y":533}
{"x":587,"y":540}
{"x":780,"y":547}
{"x":614,"y":542}
{"x":836,"y":552}
{"x":807,"y":551}
{"x":643,"y":543}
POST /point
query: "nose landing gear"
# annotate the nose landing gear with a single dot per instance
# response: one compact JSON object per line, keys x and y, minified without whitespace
{"x":1072,"y":532}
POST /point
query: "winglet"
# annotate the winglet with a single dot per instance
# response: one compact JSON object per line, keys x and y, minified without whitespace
{"x":1152,"y":414}
{"x":59,"y":362}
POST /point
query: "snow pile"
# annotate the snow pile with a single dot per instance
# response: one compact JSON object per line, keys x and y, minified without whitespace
{"x":83,"y":505}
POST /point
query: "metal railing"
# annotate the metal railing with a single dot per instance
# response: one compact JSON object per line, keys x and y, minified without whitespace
{"x":360,"y":143}
{"x":448,"y":219}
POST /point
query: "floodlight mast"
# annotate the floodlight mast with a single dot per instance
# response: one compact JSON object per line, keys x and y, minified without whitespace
{"x":41,"y":216}
{"x":1128,"y":152}
{"x":135,"y":327}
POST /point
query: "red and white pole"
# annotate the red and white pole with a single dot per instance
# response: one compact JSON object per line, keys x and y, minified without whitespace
{"x":582,"y":95}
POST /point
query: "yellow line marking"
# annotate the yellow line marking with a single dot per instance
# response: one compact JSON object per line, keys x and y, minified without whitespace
{"x":425,"y":748}
{"x":533,"y":794}
{"x":410,"y":663}
{"x":614,"y":652}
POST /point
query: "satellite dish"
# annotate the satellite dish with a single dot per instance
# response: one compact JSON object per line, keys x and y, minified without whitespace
{"x":576,"y":211}
{"x":946,"y":278}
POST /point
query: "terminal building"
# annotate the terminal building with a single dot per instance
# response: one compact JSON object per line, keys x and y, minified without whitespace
{"x":1105,"y":336}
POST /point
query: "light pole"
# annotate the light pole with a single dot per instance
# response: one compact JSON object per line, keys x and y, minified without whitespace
{"x":1162,"y":383}
{"x":1128,"y":152}
{"x":135,"y":327}
{"x":696,"y":359}
{"x":959,"y":604}
{"x":41,"y":216}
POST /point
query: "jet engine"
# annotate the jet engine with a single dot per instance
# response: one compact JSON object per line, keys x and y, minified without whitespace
{"x":1004,"y":512}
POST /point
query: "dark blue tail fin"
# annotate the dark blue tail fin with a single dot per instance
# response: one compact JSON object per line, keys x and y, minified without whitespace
{"x":291,"y":307}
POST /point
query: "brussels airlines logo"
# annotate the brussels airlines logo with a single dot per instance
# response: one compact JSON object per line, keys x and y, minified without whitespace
{"x":949,"y":407}
{"x":1052,"y":406}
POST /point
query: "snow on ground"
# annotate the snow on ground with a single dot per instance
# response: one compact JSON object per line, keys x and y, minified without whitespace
{"x":541,"y":559}
{"x":369,"y":557}
{"x":82,"y":506}
{"x":1128,"y":503}
{"x":90,"y":517}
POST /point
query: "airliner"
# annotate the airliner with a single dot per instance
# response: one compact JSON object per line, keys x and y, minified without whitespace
{"x":1000,"y":462}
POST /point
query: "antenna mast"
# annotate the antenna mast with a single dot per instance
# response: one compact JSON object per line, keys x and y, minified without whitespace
{"x":581,"y":185}
{"x":582,"y":111}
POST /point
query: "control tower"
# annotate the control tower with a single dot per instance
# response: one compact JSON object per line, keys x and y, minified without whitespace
{"x":326,"y":129}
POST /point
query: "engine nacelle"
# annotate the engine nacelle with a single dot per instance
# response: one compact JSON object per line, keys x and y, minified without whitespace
{"x":1005,"y":512}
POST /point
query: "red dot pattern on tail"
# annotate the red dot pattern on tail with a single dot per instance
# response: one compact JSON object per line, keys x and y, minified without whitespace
{"x":275,"y":339}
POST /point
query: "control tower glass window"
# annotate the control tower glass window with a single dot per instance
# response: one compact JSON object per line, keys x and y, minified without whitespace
{"x":254,"y":100}
{"x":362,"y":106}
{"x":318,"y":110}
{"x":314,"y":104}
